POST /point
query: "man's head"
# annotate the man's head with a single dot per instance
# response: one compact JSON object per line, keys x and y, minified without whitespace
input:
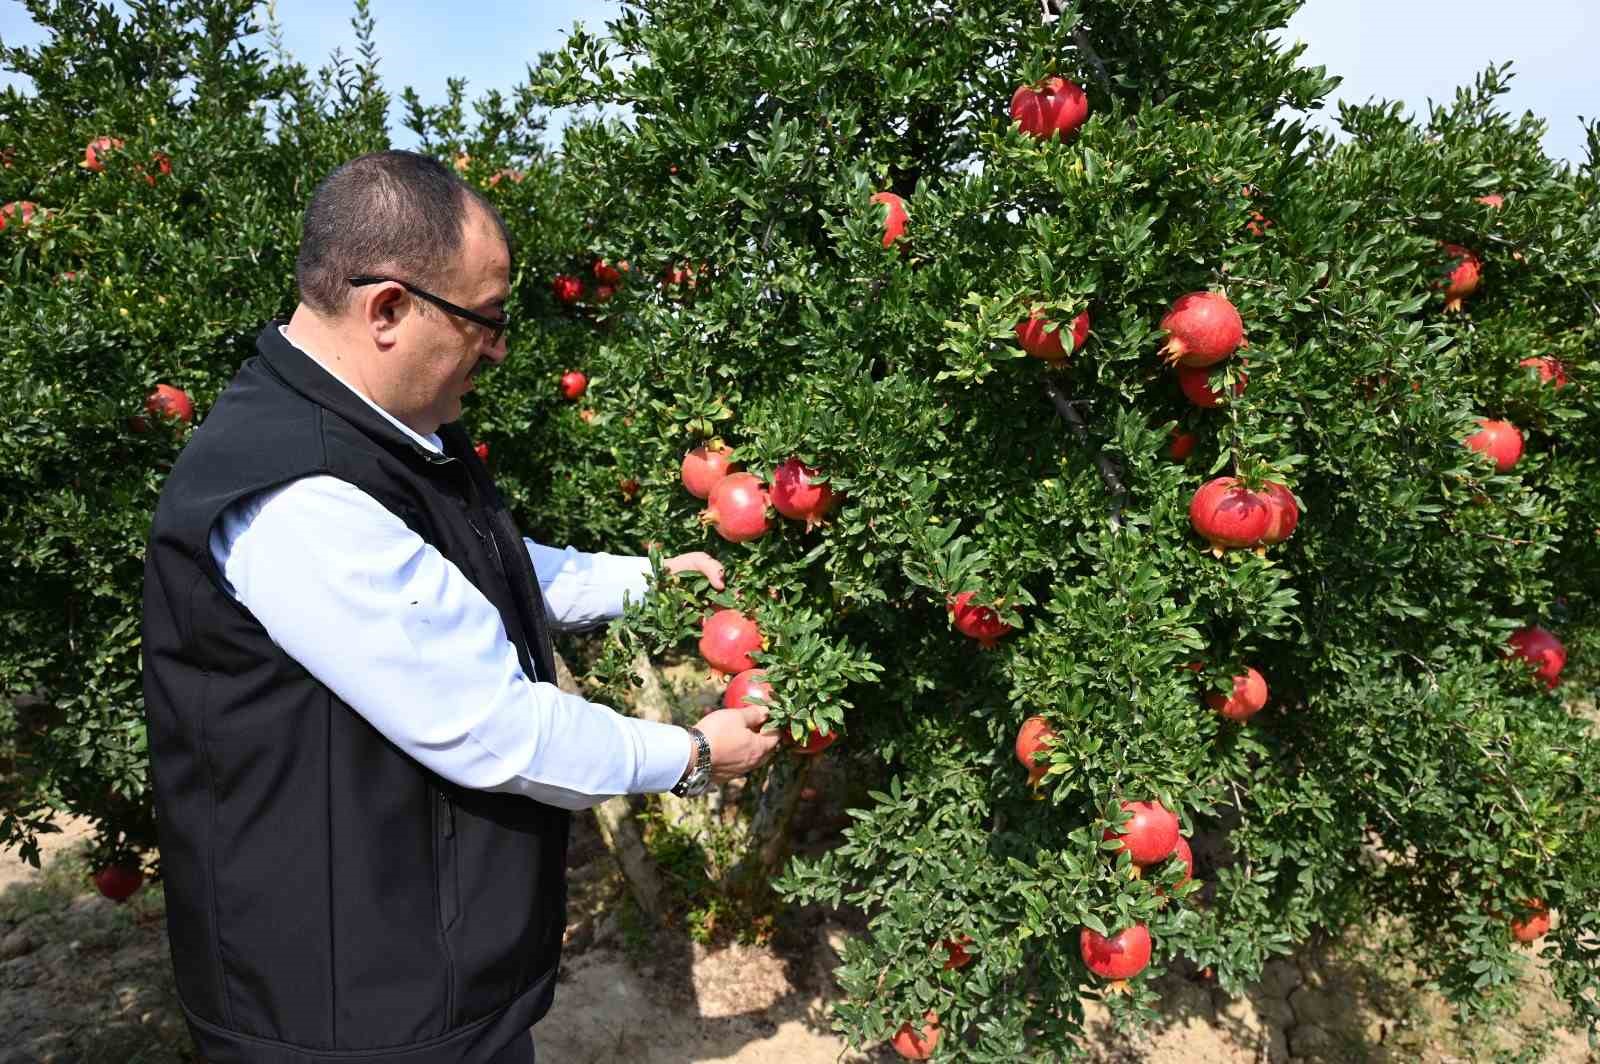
{"x":410,"y":222}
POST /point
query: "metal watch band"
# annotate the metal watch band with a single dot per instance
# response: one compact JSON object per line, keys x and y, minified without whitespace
{"x":697,"y":779}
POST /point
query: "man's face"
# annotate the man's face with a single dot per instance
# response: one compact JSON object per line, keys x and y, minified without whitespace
{"x":440,"y":354}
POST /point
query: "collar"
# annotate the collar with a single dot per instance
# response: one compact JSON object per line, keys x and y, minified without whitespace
{"x":432,"y":443}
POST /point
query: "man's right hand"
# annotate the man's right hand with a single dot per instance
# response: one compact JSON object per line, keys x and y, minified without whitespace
{"x":738,"y":745}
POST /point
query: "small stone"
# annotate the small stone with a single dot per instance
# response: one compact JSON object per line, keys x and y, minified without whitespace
{"x":90,"y":904}
{"x":19,"y":942}
{"x":20,"y":972}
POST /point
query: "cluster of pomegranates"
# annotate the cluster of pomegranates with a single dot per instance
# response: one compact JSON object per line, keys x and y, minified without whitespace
{"x":1229,"y":514}
{"x":737,"y":502}
{"x":569,"y":289}
{"x":1203,"y":329}
{"x":727,"y":639}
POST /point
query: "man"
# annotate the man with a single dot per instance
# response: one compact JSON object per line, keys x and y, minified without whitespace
{"x":363,"y":772}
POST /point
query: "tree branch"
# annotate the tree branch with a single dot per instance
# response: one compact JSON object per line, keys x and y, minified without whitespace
{"x":1110,"y":475}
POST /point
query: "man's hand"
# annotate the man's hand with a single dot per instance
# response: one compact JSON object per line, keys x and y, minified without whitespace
{"x":697,"y":561}
{"x":738,"y":745}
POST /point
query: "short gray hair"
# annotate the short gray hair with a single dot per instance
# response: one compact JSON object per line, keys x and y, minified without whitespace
{"x":390,"y":211}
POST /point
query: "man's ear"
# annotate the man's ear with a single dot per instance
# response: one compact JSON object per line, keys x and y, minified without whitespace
{"x":382,"y":308}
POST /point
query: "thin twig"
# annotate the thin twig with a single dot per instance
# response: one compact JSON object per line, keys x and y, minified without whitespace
{"x":1110,"y":475}
{"x":1081,"y":39}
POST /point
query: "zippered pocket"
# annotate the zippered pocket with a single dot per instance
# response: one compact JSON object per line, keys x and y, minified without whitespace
{"x":449,"y":877}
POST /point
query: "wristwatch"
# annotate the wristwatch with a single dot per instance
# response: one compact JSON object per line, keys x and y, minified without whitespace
{"x":697,"y":777}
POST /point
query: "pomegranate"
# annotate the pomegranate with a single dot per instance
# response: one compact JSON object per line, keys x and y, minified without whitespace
{"x":679,"y":276}
{"x":1464,"y":272}
{"x":745,"y":687}
{"x":704,"y":466}
{"x":20,"y":211}
{"x":1151,"y":833}
{"x":514,"y":176}
{"x":895,"y":217}
{"x":727,"y":639}
{"x":1499,"y":440}
{"x":1532,"y":925}
{"x":1183,"y":853}
{"x":607,"y":274}
{"x":1493,"y":199}
{"x":1285,"y":513}
{"x":1054,"y":105}
{"x":118,"y":881}
{"x":737,"y":507}
{"x":1228,"y":514}
{"x":1540,"y":648}
{"x":163,"y":166}
{"x":1182,"y":445}
{"x":482,"y":451}
{"x":918,"y":1046}
{"x":816,"y":742}
{"x":1122,"y":956}
{"x":1248,"y":697}
{"x":1195,"y":381}
{"x":574,"y":383}
{"x":1202,"y":329}
{"x":169,"y":402}
{"x":976,"y":622}
{"x":568,"y":289}
{"x":1034,"y":738}
{"x":957,"y":948}
{"x":797,"y":494}
{"x":1549,"y":370}
{"x":1041,"y":342}
{"x":1258,"y":224}
{"x":92,"y":155}
{"x":629,"y":486}
{"x":604,"y":292}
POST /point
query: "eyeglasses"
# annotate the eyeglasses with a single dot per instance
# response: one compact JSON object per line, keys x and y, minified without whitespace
{"x":496,"y":326}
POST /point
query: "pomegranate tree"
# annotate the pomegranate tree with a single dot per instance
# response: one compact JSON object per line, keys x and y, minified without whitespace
{"x":737,"y":508}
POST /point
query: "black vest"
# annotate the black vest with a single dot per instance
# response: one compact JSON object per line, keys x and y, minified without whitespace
{"x":326,"y":894}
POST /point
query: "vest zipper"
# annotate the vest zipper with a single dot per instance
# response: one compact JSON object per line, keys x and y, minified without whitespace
{"x":448,"y":879}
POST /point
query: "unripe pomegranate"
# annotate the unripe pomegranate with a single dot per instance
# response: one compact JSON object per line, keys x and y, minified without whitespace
{"x":1285,"y":514}
{"x":704,"y":466}
{"x":19,"y":211}
{"x":1182,"y":445}
{"x":1532,"y":925}
{"x":1249,"y":696}
{"x":1034,"y":738}
{"x":744,"y":688}
{"x":574,"y":383}
{"x":1151,"y":833}
{"x":913,"y":1045}
{"x":1465,"y":270}
{"x":1195,"y":381}
{"x":976,"y":622}
{"x":1549,"y":370}
{"x":737,"y":508}
{"x":797,"y":494}
{"x":568,"y":289}
{"x":93,"y":154}
{"x":895,"y":217}
{"x":1203,"y":328}
{"x":816,"y":742}
{"x":118,"y":881}
{"x":1228,"y":514}
{"x":1500,"y":440}
{"x":727,"y":639}
{"x":169,"y":402}
{"x":1122,"y":956}
{"x":1055,"y":105}
{"x":1044,"y":343}
{"x":1541,"y":648}
{"x":957,"y":948}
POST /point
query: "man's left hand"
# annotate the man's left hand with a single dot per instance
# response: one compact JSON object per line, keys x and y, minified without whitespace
{"x":697,"y":561}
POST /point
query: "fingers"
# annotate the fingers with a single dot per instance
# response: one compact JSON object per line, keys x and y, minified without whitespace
{"x":754,"y":716}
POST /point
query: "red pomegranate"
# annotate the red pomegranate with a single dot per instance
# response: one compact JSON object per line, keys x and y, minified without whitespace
{"x":574,"y":383}
{"x":679,"y":276}
{"x":118,"y":881}
{"x":957,"y":948}
{"x":1183,"y":853}
{"x":798,"y":494}
{"x":1054,"y":105}
{"x":1500,"y":440}
{"x":169,"y":402}
{"x":1550,"y":370}
{"x":1248,"y":697}
{"x":163,"y":166}
{"x":514,"y":176}
{"x":976,"y":622}
{"x":895,"y":217}
{"x":1258,"y":224}
{"x":20,"y":211}
{"x":482,"y":451}
{"x":1195,"y":381}
{"x":1182,"y":445}
{"x":568,"y":289}
{"x":1151,"y":833}
{"x":1228,"y":514}
{"x":744,"y":688}
{"x":1540,"y":648}
{"x":1464,"y":272}
{"x":816,"y":742}
{"x":1042,"y":342}
{"x":737,"y":508}
{"x":1493,"y":199}
{"x":1285,"y":513}
{"x":604,"y":292}
{"x":98,"y":147}
{"x":1034,"y":738}
{"x":607,"y":274}
{"x":913,"y":1045}
{"x":1202,"y":329}
{"x":727,"y":639}
{"x":1122,"y":956}
{"x":1532,"y":925}
{"x":704,"y":466}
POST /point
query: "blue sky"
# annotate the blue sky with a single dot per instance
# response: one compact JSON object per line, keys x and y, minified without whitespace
{"x":1409,"y":50}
